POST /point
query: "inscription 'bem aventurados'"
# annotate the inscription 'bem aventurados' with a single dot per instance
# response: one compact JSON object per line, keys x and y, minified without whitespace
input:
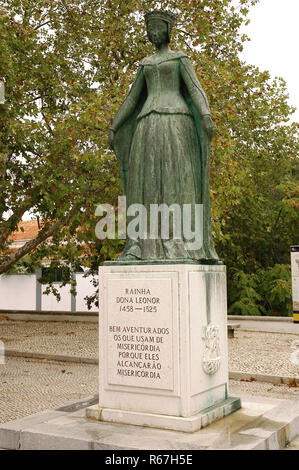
{"x":140,"y":333}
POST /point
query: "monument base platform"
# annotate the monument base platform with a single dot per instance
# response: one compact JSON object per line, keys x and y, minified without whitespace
{"x":163,"y":359}
{"x":263,"y":423}
{"x":172,"y":423}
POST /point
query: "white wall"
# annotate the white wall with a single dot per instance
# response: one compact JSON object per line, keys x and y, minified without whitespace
{"x":84,"y":288}
{"x":18,"y":292}
{"x":50,"y":303}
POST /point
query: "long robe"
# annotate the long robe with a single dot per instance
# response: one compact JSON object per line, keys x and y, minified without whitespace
{"x":163,"y":152}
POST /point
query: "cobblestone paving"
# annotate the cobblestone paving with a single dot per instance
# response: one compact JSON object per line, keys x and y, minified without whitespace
{"x":250,"y":352}
{"x":28,"y":386}
{"x":262,"y":353}
{"x":61,"y":338}
{"x":254,"y":390}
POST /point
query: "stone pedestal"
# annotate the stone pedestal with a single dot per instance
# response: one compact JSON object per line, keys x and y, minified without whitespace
{"x":163,"y":358}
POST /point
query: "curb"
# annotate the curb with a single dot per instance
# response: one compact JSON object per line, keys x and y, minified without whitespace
{"x":88,"y":313}
{"x":259,"y":318}
{"x":51,"y":357}
{"x":274,"y":379}
{"x":241,"y":376}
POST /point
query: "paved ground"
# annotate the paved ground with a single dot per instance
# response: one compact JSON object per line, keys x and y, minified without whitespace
{"x":62,"y":338}
{"x":251,"y":352}
{"x":259,"y":390}
{"x":28,"y":386}
{"x":262,"y":353}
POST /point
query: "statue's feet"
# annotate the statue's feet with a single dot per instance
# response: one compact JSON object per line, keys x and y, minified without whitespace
{"x":211,"y":261}
{"x":215,"y":261}
{"x":127,"y":257}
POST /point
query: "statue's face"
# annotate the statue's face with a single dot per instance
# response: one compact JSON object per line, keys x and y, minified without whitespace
{"x":157,"y":32}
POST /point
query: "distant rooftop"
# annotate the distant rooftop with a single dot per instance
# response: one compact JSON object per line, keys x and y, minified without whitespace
{"x":30,"y":230}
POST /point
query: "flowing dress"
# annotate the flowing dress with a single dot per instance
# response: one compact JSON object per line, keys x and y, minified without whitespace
{"x":163,"y":155}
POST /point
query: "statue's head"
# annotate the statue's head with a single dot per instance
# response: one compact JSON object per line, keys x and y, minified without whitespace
{"x":159,"y":25}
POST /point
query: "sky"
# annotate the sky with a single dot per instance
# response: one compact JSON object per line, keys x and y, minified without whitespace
{"x":274,"y":34}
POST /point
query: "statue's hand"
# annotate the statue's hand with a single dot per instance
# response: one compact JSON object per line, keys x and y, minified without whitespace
{"x":111,"y":138}
{"x":209,"y":126}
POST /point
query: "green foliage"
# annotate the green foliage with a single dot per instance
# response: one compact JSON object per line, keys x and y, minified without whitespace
{"x":23,"y":266}
{"x":267,"y":292}
{"x":243,"y":294}
{"x":276,"y":288}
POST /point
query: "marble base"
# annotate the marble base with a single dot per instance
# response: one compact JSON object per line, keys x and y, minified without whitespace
{"x":163,"y":344}
{"x":172,"y":423}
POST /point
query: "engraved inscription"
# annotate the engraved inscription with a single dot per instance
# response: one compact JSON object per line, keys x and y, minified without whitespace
{"x":139,"y":333}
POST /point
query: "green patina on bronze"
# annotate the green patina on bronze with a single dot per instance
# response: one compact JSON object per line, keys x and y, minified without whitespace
{"x":161,"y":137}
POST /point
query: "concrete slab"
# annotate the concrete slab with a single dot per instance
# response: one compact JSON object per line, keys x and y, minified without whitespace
{"x":257,"y":425}
{"x":10,"y":432}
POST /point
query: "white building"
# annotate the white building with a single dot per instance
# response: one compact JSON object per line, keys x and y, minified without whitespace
{"x":24,"y":292}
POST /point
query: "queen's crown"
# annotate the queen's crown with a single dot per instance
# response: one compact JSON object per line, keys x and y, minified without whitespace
{"x":161,"y":15}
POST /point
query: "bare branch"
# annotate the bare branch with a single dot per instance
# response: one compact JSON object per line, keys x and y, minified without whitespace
{"x":47,"y":124}
{"x":43,"y":24}
{"x":31,"y":101}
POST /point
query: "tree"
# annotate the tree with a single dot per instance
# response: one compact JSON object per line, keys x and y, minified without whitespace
{"x":67,"y":67}
{"x":53,"y":126}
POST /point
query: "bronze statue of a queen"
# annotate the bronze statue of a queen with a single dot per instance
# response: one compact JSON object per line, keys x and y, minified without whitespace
{"x":161,"y":136}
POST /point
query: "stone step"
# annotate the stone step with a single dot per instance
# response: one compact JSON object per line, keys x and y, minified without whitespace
{"x":293,"y":445}
{"x":256,"y":426}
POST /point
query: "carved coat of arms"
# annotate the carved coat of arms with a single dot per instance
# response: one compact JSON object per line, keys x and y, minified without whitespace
{"x":211,"y":357}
